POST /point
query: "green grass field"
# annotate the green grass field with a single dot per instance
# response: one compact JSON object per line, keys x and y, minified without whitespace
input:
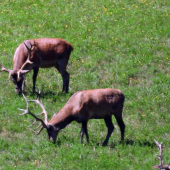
{"x":117,"y":44}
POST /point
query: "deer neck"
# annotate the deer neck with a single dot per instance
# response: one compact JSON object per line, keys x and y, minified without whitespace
{"x":62,"y":118}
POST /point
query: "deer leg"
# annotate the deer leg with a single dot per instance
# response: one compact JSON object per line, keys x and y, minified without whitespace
{"x":84,"y":130}
{"x":110,"y":127}
{"x":121,"y":125}
{"x":65,"y":77}
{"x":61,"y":67}
{"x":35,"y":77}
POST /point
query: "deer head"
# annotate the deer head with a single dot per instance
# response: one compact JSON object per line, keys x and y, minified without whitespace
{"x":18,"y":77}
{"x":51,"y":130}
{"x":13,"y":74}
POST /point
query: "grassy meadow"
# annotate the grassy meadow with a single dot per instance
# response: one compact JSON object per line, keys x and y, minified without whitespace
{"x":122,"y":44}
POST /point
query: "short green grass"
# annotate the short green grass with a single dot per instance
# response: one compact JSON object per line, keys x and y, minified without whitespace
{"x":120,"y":44}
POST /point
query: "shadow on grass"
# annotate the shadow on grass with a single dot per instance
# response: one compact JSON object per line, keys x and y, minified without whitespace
{"x":47,"y":94}
{"x":142,"y":143}
{"x":111,"y":145}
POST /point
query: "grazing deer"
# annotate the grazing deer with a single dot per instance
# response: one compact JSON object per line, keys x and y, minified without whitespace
{"x":40,"y":53}
{"x":82,"y":106}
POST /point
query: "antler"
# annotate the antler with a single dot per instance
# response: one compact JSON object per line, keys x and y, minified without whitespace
{"x":28,"y":59}
{"x":41,"y":105}
{"x":160,"y":146}
{"x":21,"y":69}
{"x":160,"y":166}
{"x":27,"y":111}
{"x":5,"y":69}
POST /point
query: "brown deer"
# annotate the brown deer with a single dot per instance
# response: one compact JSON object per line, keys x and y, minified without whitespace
{"x":82,"y":106}
{"x":40,"y":53}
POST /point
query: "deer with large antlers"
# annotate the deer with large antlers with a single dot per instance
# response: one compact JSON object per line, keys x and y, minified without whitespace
{"x":82,"y":106}
{"x":40,"y":53}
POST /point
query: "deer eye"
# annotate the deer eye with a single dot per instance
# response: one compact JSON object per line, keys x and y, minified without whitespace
{"x":13,"y":79}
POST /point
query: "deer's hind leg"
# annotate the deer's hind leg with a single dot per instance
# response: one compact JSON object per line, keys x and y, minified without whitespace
{"x":110,"y":127}
{"x":119,"y":119}
{"x":61,"y":67}
{"x":84,"y":130}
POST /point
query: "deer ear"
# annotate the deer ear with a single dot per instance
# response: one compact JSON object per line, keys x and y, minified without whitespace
{"x":30,"y":44}
{"x":27,"y":44}
{"x":35,"y":44}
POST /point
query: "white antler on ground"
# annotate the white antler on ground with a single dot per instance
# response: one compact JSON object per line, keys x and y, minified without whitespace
{"x":160,"y":156}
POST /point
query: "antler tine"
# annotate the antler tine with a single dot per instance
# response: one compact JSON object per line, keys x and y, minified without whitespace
{"x":40,"y":125}
{"x":26,"y":111}
{"x":41,"y":105}
{"x":158,"y":144}
{"x":7,"y":70}
{"x":37,"y":132}
{"x":32,"y":123}
{"x":3,"y":68}
{"x":21,"y":69}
